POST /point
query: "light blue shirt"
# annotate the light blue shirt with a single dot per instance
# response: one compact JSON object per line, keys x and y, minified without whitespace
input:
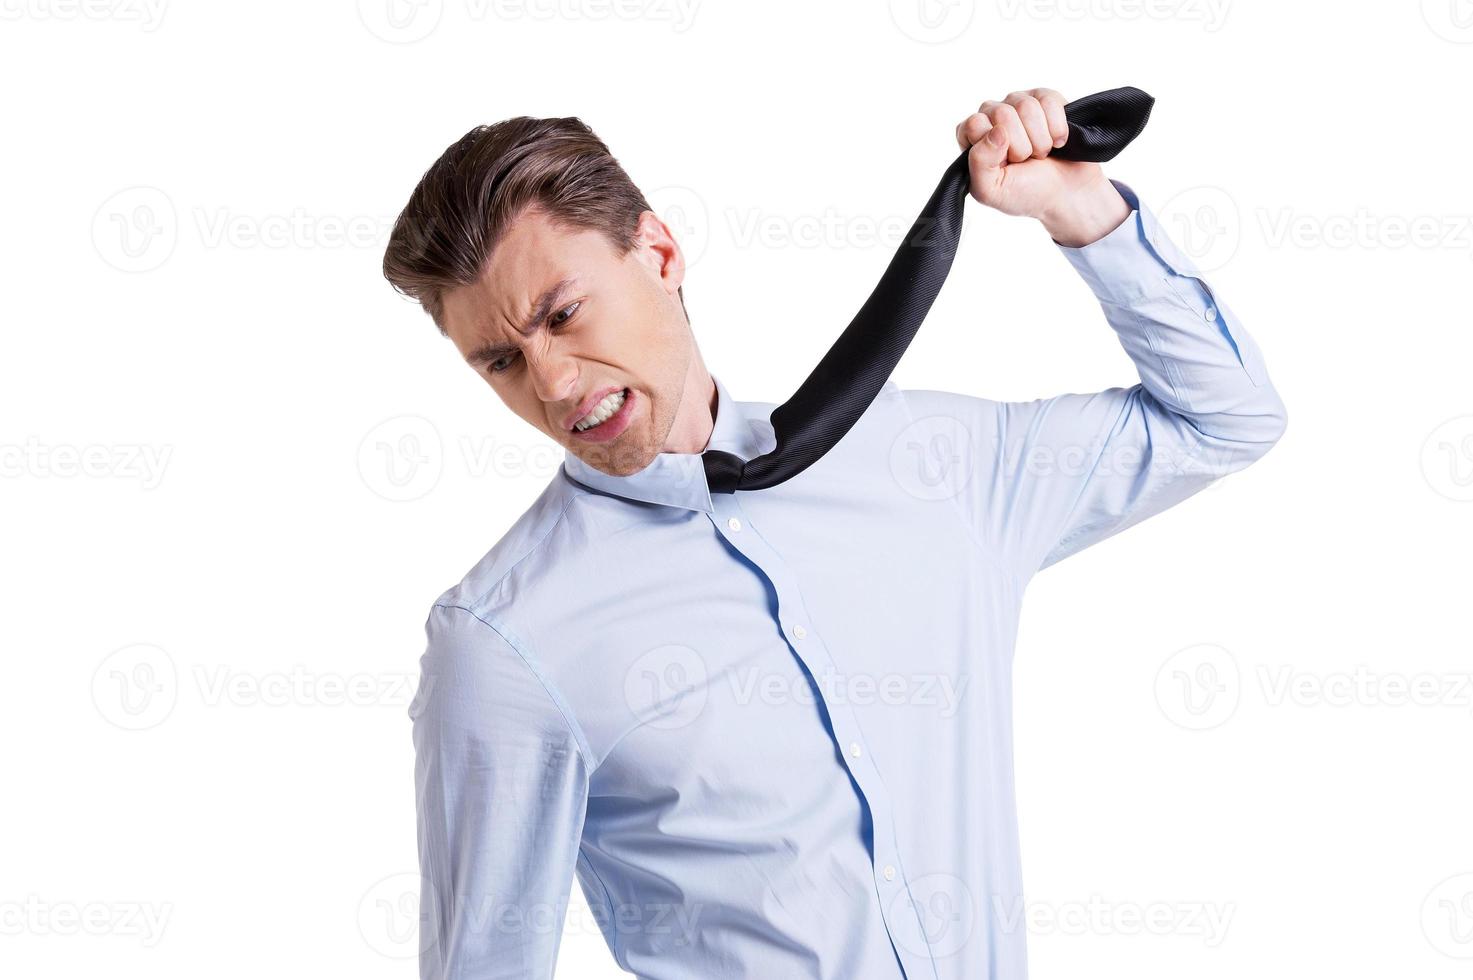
{"x":770,"y":733}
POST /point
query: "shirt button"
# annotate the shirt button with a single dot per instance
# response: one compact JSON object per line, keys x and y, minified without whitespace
{"x":1209,"y":314}
{"x":734,"y":524}
{"x":799,"y":631}
{"x":889,"y":872}
{"x":854,"y":749}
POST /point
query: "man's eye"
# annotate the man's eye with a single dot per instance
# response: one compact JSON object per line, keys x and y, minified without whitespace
{"x":567,"y":313}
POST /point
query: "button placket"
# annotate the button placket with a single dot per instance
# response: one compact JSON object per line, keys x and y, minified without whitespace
{"x":813,"y":653}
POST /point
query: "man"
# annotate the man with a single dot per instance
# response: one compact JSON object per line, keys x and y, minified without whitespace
{"x":768,"y":731}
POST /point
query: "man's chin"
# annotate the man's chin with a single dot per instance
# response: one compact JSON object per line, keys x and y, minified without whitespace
{"x":623,"y":456}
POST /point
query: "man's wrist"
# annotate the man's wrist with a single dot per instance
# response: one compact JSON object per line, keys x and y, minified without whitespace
{"x":1086,"y":216}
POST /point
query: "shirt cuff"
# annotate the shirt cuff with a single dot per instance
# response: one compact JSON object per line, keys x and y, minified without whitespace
{"x":1126,"y":265}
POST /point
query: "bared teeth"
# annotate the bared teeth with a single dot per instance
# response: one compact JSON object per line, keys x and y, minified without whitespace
{"x":601,"y":411}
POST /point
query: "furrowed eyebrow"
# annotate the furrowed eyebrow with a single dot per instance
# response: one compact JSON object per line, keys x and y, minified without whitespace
{"x":539,"y":314}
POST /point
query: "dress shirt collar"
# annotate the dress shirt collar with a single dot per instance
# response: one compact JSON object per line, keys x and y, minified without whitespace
{"x":678,"y":479}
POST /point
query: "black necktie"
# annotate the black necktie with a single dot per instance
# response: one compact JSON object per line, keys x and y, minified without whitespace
{"x":832,"y":398}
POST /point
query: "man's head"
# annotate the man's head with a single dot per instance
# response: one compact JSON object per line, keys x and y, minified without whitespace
{"x":533,"y":251}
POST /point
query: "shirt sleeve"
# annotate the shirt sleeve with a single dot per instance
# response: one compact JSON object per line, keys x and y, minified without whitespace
{"x":501,"y":786}
{"x":1049,"y":477}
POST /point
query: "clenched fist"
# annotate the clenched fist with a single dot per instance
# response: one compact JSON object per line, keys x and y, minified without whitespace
{"x":1010,"y":168}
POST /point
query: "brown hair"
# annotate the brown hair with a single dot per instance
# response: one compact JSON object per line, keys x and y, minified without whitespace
{"x":468,"y":199}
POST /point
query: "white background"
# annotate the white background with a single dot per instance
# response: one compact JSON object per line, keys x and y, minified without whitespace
{"x":238,"y":467}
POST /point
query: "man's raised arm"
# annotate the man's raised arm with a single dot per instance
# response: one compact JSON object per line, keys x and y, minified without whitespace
{"x":1052,"y":476}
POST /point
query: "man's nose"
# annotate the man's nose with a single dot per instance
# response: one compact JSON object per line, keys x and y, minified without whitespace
{"x":554,"y":377}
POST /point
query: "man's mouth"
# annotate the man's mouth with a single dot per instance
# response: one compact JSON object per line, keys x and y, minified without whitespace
{"x":608,"y":419}
{"x":603,"y":411}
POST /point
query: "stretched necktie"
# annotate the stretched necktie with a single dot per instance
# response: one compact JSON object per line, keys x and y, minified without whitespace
{"x":832,"y":398}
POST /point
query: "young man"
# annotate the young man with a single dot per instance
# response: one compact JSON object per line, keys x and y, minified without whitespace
{"x":768,"y":731}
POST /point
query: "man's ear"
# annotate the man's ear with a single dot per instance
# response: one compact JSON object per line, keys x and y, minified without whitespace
{"x":658,"y":248}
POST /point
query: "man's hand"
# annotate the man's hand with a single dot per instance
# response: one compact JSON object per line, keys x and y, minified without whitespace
{"x":1011,"y":170}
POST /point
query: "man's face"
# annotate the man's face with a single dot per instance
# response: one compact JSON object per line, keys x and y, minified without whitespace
{"x":558,"y":321}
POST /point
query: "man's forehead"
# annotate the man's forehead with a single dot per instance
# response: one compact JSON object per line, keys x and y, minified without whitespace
{"x":523,"y":266}
{"x":503,"y":304}
{"x":534,"y":263}
{"x":535,"y":248}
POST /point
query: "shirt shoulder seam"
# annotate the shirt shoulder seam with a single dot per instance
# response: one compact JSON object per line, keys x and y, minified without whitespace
{"x":981,"y":542}
{"x":512,"y":640}
{"x":574,"y":492}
